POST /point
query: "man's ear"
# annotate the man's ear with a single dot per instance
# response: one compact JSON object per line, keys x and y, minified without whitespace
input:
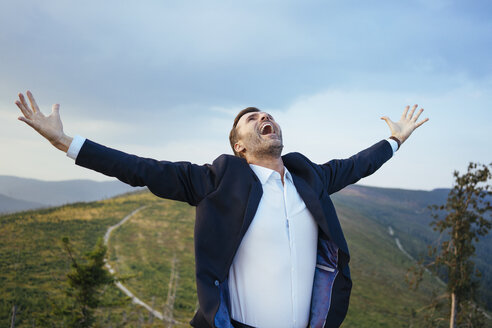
{"x":238,"y":147}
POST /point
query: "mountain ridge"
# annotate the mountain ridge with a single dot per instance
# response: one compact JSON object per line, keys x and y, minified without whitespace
{"x":55,"y":193}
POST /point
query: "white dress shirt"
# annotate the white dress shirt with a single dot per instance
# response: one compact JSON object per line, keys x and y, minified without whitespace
{"x":271,"y":276}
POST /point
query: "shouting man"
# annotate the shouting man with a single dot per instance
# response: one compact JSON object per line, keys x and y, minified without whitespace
{"x":269,"y":249}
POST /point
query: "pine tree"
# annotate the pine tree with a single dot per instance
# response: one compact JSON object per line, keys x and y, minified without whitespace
{"x":461,"y":221}
{"x":85,"y":281}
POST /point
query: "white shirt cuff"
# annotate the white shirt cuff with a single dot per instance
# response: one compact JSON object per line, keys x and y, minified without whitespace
{"x":75,"y":146}
{"x":394,"y":145}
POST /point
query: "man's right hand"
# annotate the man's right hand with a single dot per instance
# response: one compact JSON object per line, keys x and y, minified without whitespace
{"x":50,"y":127}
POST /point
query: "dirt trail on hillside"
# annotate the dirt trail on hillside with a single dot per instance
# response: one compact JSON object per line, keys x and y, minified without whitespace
{"x":173,"y":281}
{"x":171,"y":291}
{"x":400,"y":247}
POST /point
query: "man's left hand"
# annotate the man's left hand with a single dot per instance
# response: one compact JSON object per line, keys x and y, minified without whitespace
{"x":406,"y":125}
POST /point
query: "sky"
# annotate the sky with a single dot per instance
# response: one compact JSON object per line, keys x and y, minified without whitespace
{"x":165,"y":79}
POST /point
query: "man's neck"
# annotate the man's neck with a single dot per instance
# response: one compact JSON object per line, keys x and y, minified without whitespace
{"x":272,"y":163}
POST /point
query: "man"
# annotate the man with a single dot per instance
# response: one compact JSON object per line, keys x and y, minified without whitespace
{"x":269,"y":248}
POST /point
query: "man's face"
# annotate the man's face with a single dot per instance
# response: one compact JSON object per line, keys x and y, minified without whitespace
{"x":259,"y":135}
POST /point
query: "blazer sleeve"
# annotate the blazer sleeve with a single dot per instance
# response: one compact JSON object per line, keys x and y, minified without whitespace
{"x":339,"y":173}
{"x":182,"y":181}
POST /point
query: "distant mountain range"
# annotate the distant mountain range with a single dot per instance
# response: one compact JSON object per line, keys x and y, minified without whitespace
{"x":9,"y":205}
{"x":19,"y":194}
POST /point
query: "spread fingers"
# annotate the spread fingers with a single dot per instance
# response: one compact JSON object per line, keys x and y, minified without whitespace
{"x":23,"y":106}
{"x":417,"y":116}
{"x":404,"y":115}
{"x":412,"y":111}
{"x":34,"y":106}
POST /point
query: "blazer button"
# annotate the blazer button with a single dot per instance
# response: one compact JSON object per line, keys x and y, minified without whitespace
{"x":216,"y":283}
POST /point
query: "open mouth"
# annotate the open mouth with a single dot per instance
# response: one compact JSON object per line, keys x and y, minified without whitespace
{"x":266,"y":129}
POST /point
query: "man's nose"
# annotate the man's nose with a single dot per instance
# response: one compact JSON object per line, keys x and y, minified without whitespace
{"x":263,"y":117}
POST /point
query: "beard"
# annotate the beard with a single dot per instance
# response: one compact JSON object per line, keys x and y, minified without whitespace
{"x":260,"y":147}
{"x":269,"y":149}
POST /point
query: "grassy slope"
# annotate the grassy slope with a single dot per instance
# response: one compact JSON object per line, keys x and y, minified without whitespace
{"x":33,"y":264}
{"x":380,"y":295}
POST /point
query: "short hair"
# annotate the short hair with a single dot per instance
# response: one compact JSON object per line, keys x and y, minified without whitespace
{"x":233,"y":135}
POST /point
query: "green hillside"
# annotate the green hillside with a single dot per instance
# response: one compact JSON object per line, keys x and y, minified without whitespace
{"x":405,"y":211}
{"x":156,"y":246}
{"x":33,"y":265}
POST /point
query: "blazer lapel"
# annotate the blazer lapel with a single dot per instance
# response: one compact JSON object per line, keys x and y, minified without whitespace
{"x":254,"y":198}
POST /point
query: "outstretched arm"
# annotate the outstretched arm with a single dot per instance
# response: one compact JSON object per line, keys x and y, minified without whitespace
{"x":181,"y":181}
{"x":339,"y":173}
{"x":406,"y":125}
{"x":50,"y":127}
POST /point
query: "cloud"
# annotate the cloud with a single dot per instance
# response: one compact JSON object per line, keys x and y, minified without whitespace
{"x":118,"y":56}
{"x":169,"y":75}
{"x":337,"y":123}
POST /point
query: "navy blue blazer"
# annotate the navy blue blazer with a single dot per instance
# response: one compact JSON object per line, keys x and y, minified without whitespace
{"x":226,"y":194}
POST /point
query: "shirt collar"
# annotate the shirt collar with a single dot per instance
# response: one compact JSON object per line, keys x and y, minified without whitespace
{"x":264,"y":173}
